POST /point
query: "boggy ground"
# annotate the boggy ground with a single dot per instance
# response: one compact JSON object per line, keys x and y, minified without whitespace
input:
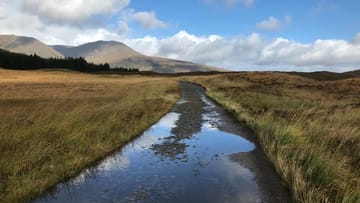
{"x":309,"y":129}
{"x":182,"y":158}
{"x":270,"y":185}
{"x":54,"y":123}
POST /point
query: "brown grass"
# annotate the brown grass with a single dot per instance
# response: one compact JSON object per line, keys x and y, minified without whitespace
{"x":309,"y":129}
{"x":54,"y":123}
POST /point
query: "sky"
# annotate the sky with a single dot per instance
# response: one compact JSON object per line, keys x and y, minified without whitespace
{"x":293,"y":35}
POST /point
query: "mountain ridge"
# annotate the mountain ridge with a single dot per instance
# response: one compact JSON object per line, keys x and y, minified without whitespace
{"x":115,"y":53}
{"x":27,"y":45}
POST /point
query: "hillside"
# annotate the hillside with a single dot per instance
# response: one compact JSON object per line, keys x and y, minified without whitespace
{"x":118,"y":54}
{"x":98,"y":51}
{"x":325,"y":75}
{"x":27,"y":45}
{"x":114,"y":53}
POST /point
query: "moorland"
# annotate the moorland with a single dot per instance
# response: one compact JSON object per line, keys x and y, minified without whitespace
{"x":54,"y":123}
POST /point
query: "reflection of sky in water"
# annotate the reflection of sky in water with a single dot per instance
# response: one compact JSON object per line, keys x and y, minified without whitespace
{"x":181,"y":101}
{"x":211,"y":118}
{"x":120,"y":160}
{"x":136,"y":173}
{"x":163,"y":127}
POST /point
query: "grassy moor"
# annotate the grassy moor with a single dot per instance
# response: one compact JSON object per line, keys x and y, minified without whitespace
{"x":54,"y":123}
{"x":202,"y":101}
{"x":309,"y":129}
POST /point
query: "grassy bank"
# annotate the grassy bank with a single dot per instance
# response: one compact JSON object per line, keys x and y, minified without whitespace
{"x":53,"y":123}
{"x":309,"y":129}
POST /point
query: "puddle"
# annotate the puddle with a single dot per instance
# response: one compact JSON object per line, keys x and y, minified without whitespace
{"x":185,"y":157}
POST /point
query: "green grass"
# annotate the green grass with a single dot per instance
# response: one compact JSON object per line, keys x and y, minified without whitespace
{"x":309,"y":129}
{"x":53,"y":124}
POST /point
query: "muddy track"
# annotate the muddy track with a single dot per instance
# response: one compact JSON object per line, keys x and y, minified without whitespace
{"x":196,"y":153}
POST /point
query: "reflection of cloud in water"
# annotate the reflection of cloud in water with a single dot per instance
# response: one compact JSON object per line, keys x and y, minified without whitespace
{"x":79,"y":179}
{"x":182,"y":101}
{"x":209,"y":126}
{"x":169,"y":120}
{"x":119,"y":161}
{"x":247,"y":183}
{"x":111,"y":163}
{"x":163,"y":126}
{"x":234,"y":170}
{"x":143,"y":142}
{"x":184,"y":156}
{"x":158,"y":131}
{"x":211,"y":118}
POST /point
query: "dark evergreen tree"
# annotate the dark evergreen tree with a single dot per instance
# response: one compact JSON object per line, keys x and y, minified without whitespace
{"x":17,"y":61}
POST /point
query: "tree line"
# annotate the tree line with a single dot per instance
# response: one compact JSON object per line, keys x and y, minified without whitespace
{"x":17,"y":61}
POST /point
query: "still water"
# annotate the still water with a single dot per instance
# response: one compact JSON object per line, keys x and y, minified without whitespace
{"x":184,"y":157}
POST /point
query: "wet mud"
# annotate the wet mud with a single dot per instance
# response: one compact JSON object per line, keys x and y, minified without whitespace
{"x":195,"y":153}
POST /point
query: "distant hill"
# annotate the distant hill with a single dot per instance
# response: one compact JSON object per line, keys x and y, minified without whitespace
{"x":114,"y":53}
{"x":27,"y":45}
{"x":118,"y":54}
{"x":98,"y":51}
{"x":325,"y":75}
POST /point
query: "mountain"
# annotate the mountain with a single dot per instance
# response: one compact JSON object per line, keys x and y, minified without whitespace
{"x":98,"y":51}
{"x":118,"y":54}
{"x":114,"y":53}
{"x":27,"y":45}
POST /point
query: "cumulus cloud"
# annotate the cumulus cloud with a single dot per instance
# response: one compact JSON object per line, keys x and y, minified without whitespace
{"x":252,"y":52}
{"x":72,"y":22}
{"x":321,"y":52}
{"x":273,"y":23}
{"x":123,"y":27}
{"x":27,"y":24}
{"x":212,"y":49}
{"x":148,"y":20}
{"x":72,"y":11}
{"x":243,"y":52}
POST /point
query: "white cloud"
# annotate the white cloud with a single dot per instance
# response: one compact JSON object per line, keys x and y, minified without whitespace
{"x":212,"y":49}
{"x":148,"y":20}
{"x":3,"y":11}
{"x":321,"y":52}
{"x":356,"y":39}
{"x":72,"y":11}
{"x":53,"y":33}
{"x":123,"y":27}
{"x":253,"y":52}
{"x":273,"y":23}
{"x":71,"y":21}
{"x":94,"y":35}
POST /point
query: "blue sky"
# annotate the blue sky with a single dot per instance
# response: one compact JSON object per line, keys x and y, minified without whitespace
{"x":311,"y":20}
{"x":234,"y":34}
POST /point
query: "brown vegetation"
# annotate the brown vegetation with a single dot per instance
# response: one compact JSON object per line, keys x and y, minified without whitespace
{"x":54,"y":123}
{"x":309,"y":129}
